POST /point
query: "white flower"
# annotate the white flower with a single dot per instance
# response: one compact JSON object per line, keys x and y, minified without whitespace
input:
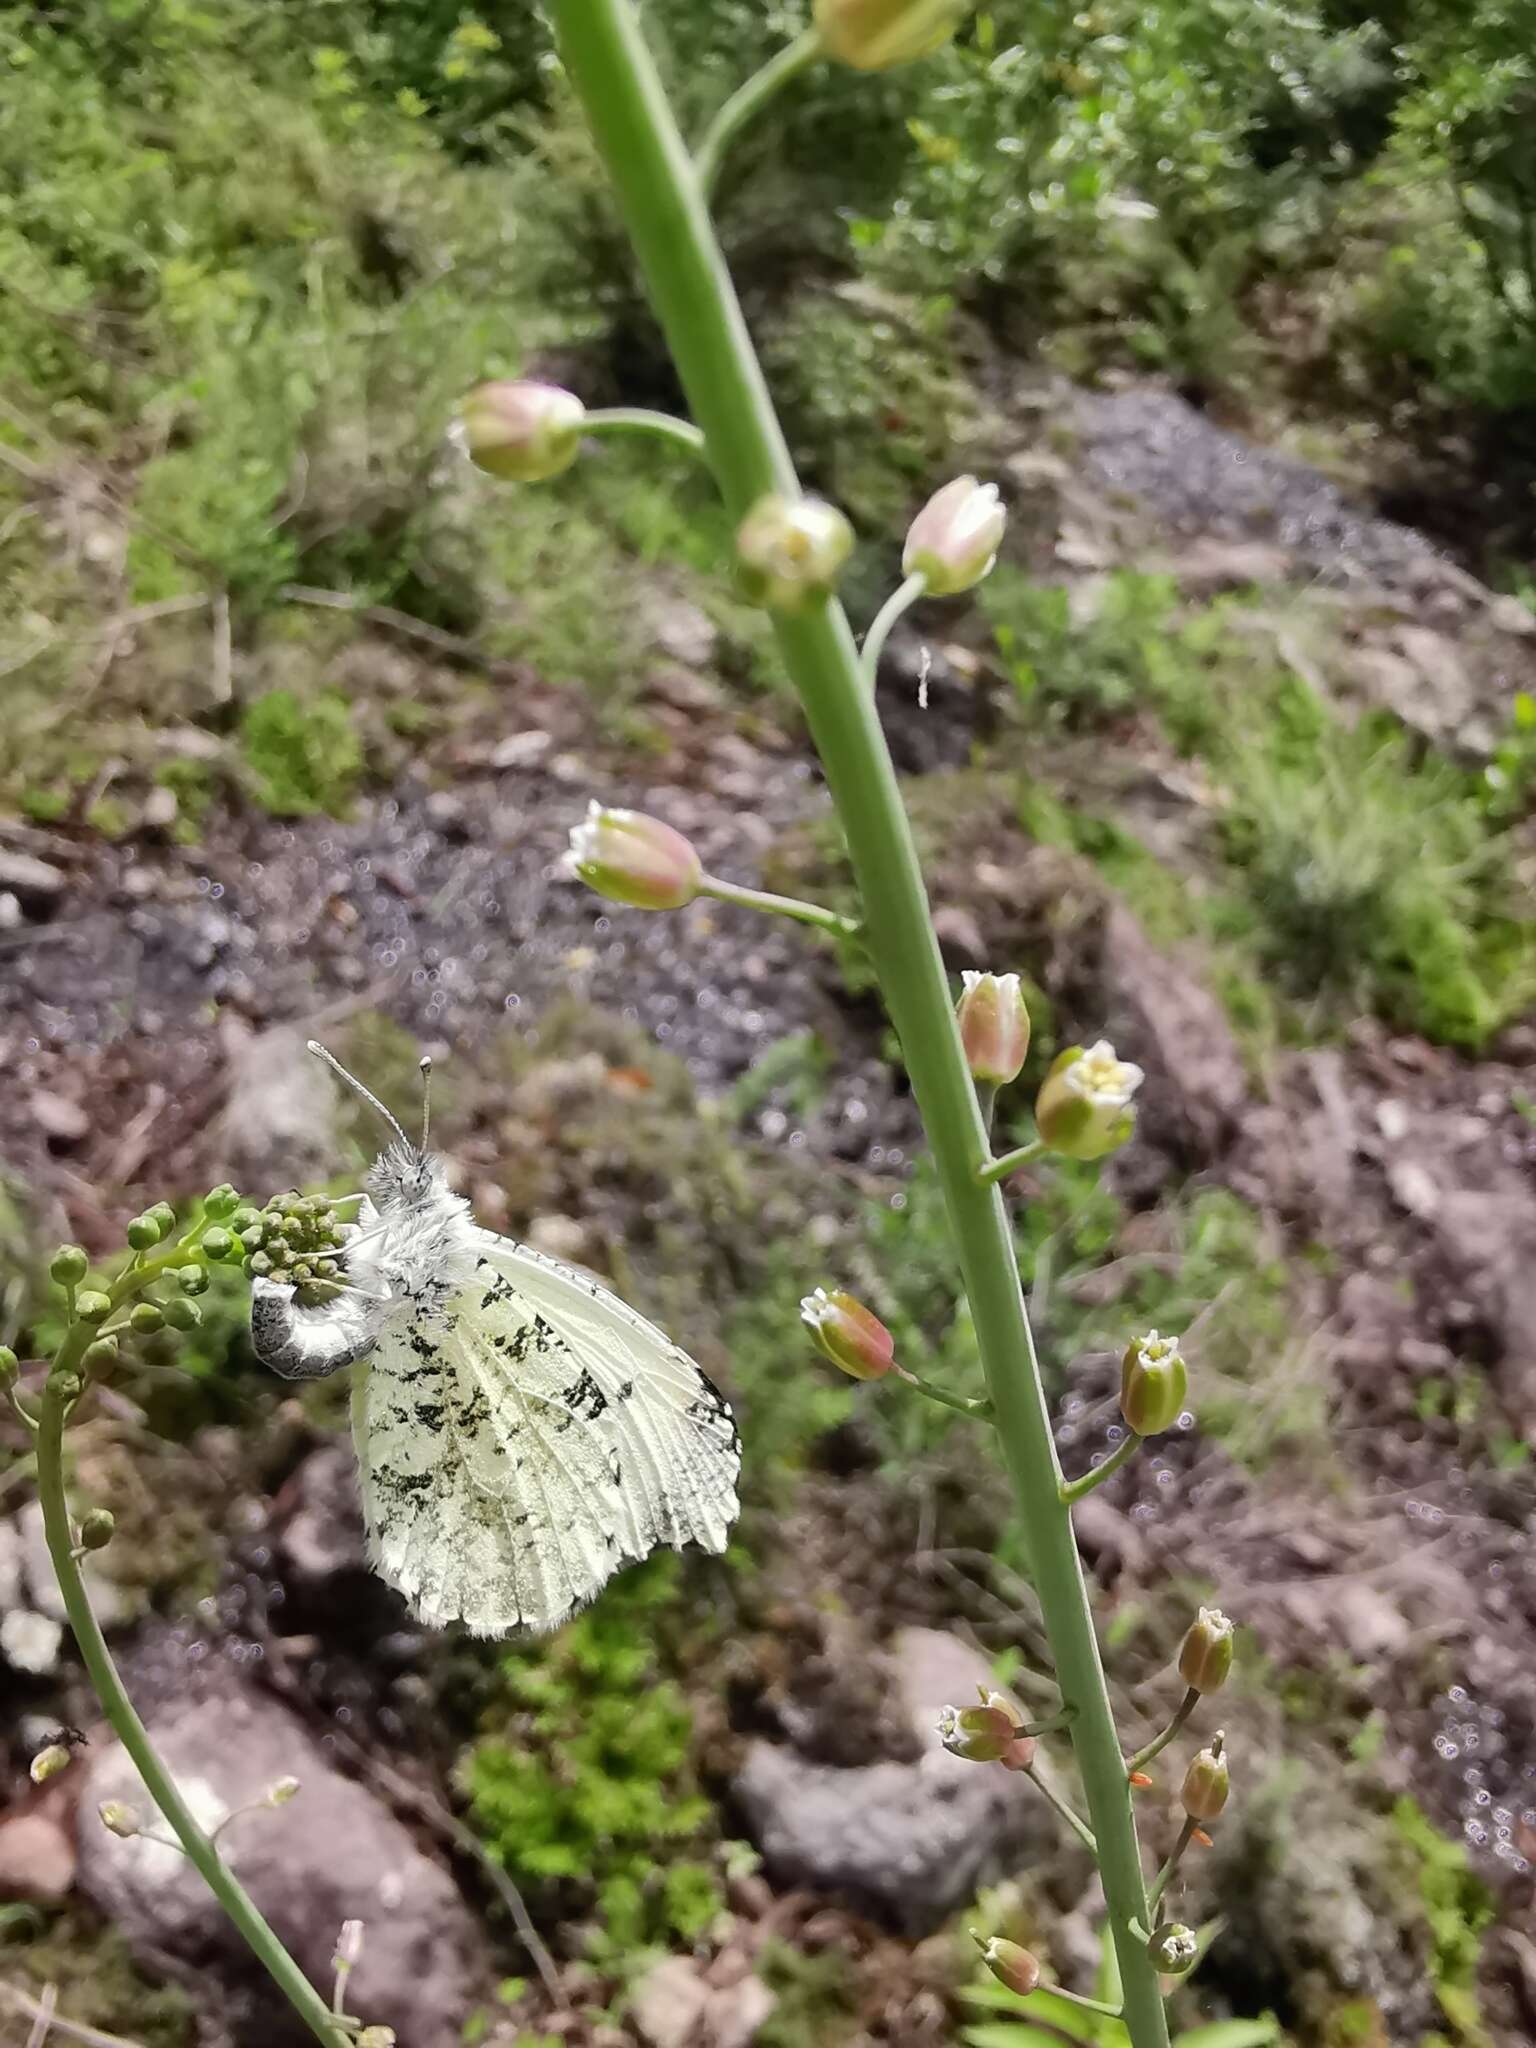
{"x":1102,"y":1080}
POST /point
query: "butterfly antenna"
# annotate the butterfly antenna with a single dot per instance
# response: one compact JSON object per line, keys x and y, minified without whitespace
{"x":426,"y":1097}
{"x":353,"y":1083}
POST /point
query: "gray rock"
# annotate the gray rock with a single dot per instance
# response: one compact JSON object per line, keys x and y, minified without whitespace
{"x":677,"y":2004}
{"x":909,"y":1841}
{"x":333,"y":1854}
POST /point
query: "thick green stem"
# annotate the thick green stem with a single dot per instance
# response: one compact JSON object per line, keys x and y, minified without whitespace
{"x":1074,"y":1490}
{"x":748,"y":101}
{"x":119,"y":1709}
{"x":664,"y":209}
{"x":900,"y":600}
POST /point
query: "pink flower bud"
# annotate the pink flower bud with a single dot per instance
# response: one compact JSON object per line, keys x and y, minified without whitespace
{"x":953,"y":541}
{"x":633,"y":859}
{"x":791,"y":550}
{"x":985,"y":1734}
{"x":1009,"y":1964}
{"x":1205,"y":1655}
{"x":856,"y":1341}
{"x":872,"y":35}
{"x":521,"y":430}
{"x":994,"y":1026}
{"x":1084,"y":1109}
{"x":1207,"y":1782}
{"x":1153,"y":1383}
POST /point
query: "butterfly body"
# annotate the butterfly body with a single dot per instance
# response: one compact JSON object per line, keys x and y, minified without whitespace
{"x":521,"y":1433}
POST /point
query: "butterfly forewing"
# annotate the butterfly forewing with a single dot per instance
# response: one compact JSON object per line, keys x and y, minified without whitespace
{"x":525,"y":1438}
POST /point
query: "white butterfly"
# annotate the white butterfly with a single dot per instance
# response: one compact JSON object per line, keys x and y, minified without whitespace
{"x":521,"y":1433}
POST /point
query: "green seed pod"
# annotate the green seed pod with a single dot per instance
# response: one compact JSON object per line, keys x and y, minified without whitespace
{"x":144,"y":1233}
{"x":1207,"y":1782}
{"x":1153,"y":1384}
{"x":69,"y":1265}
{"x":10,"y":1367}
{"x":164,"y":1215}
{"x":182,"y":1315}
{"x":220,"y":1203}
{"x":91,"y":1306}
{"x":191,"y":1279}
{"x":146,"y":1317}
{"x":217,"y":1243}
{"x":99,"y":1357}
{"x":96,"y":1530}
{"x":1205,"y":1655}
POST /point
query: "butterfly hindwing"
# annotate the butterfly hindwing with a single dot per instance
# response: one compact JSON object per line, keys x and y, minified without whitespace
{"x":527,"y":1437}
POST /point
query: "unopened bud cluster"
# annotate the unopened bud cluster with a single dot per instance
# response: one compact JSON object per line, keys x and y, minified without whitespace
{"x":296,"y":1239}
{"x":848,"y":1333}
{"x":991,"y":1733}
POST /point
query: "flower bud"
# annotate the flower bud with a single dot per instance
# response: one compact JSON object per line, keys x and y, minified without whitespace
{"x":217,"y":1243}
{"x":49,"y":1762}
{"x":791,"y":550}
{"x":66,"y":1386}
{"x":349,"y":1945}
{"x":631,"y":858}
{"x":1083,"y":1108}
{"x":1174,"y":1948}
{"x":119,"y":1818}
{"x":96,"y":1530}
{"x":873,"y":35}
{"x":856,"y":1341}
{"x":163,"y":1214}
{"x":99,"y":1358}
{"x":953,"y":541}
{"x":994,"y":1026}
{"x":10,"y":1368}
{"x":987,"y":1734}
{"x":91,"y":1306}
{"x":1153,"y":1383}
{"x":146,"y":1317}
{"x":69,"y":1265}
{"x":191,"y":1279}
{"x":144,"y":1233}
{"x":182,"y":1315}
{"x":1009,"y":1964}
{"x":376,"y":2037}
{"x":280,"y":1792}
{"x":220,"y":1203}
{"x":1205,"y":1656}
{"x":521,"y":430}
{"x":1207,"y":1782}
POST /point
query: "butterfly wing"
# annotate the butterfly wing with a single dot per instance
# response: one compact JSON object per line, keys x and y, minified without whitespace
{"x":527,"y":1440}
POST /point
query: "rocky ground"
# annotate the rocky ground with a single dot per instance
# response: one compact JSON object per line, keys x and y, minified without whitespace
{"x":153,"y":1000}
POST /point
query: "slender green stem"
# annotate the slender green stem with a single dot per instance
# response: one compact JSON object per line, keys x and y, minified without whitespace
{"x":1077,"y":1998}
{"x":663,"y":204}
{"x":119,"y":1709}
{"x":980,"y":1407}
{"x":1069,"y":1813}
{"x":748,"y":100}
{"x":1159,"y":1743}
{"x":1075,"y":1489}
{"x":997,"y":1170}
{"x":623,"y":420}
{"x":900,"y":600}
{"x":779,"y":906}
{"x":1165,"y":1876}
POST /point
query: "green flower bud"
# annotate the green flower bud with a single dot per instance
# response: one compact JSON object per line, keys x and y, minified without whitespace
{"x":377,"y":2037}
{"x":1009,"y":1964}
{"x":791,"y":550}
{"x":1207,"y":1782}
{"x":92,"y":1306}
{"x":258,"y":1265}
{"x":987,"y":1734}
{"x":69,"y":1265}
{"x":217,"y":1244}
{"x":254,"y":1238}
{"x":1153,"y":1384}
{"x":282,"y":1791}
{"x":119,"y":1818}
{"x":521,"y":430}
{"x":144,"y":1233}
{"x":852,"y":1336}
{"x":1084,"y":1109}
{"x":633,"y":859}
{"x":10,"y":1368}
{"x":182,"y":1315}
{"x":191,"y":1279}
{"x":244,"y":1217}
{"x":48,"y":1763}
{"x":164,"y":1215}
{"x":220,"y":1203}
{"x":1205,"y":1655}
{"x":99,"y":1358}
{"x":1174,"y":1948}
{"x":96,"y":1530}
{"x":146,"y":1317}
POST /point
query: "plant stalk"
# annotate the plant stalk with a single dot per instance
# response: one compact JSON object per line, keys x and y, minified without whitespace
{"x":748,"y":101}
{"x":120,"y":1712}
{"x":901,"y":600}
{"x":664,"y":209}
{"x":1074,"y":1490}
